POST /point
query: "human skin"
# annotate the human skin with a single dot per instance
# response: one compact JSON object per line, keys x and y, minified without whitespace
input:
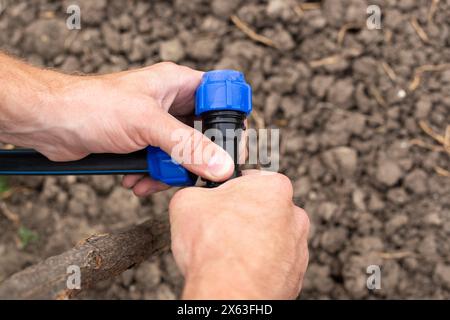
{"x":67,"y":117}
{"x":243,"y":240}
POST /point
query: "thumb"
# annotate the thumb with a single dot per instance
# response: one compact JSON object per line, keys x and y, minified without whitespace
{"x":192,"y":149}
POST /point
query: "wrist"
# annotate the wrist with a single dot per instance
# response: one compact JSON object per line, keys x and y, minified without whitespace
{"x":222,"y":281}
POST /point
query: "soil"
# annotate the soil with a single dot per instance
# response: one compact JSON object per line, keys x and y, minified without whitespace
{"x":350,"y":123}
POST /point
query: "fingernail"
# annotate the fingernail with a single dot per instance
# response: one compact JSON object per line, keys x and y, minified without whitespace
{"x":220,"y":164}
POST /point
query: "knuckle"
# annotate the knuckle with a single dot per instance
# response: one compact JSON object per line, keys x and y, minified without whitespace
{"x":283,"y":184}
{"x":167,"y":66}
{"x":179,"y":199}
{"x":304,"y":220}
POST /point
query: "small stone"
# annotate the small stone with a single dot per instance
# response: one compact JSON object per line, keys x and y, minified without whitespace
{"x":432,"y":219}
{"x":292,"y":106}
{"x":148,"y":274}
{"x":401,"y":94}
{"x":320,"y":85}
{"x":203,"y":48}
{"x":164,"y":292}
{"x":121,"y":205}
{"x":224,"y":9}
{"x":318,"y":278}
{"x":423,"y":108}
{"x":92,"y":12}
{"x":127,"y":277}
{"x":342,"y":160}
{"x":271,"y":106}
{"x":427,"y":246}
{"x":442,"y":273}
{"x":46,"y":37}
{"x":70,"y":65}
{"x":376,"y":203}
{"x":282,"y":38}
{"x":389,"y":173}
{"x":112,"y":38}
{"x":103,"y":183}
{"x":358,"y":199}
{"x":333,"y":239}
{"x":416,"y":181}
{"x":397,"y":196}
{"x":341,"y":93}
{"x":278,"y":8}
{"x":140,"y":50}
{"x":293,"y":144}
{"x":171,"y":50}
{"x":356,"y":123}
{"x":302,"y":187}
{"x":327,"y":210}
{"x":396,"y":223}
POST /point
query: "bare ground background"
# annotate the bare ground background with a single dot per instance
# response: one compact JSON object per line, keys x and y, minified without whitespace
{"x":358,"y":110}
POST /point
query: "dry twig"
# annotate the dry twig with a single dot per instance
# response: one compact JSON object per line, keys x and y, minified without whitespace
{"x":344,"y":29}
{"x":310,"y":6}
{"x":447,"y":139}
{"x":11,"y":216}
{"x":298,"y":9}
{"x":395,"y":255}
{"x":419,"y":30}
{"x":422,"y":144}
{"x":389,"y":71}
{"x":426,"y":68}
{"x":241,"y":25}
{"x":325,"y":61}
{"x":433,"y":9}
{"x":427,"y":129}
{"x":442,"y":172}
{"x":378,"y":97}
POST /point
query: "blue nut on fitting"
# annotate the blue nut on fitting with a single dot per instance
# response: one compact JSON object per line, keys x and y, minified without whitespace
{"x":220,"y":90}
{"x":223,"y":90}
{"x":163,"y":168}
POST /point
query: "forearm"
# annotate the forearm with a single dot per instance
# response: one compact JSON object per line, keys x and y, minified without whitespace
{"x":25,"y":95}
{"x":30,"y":101}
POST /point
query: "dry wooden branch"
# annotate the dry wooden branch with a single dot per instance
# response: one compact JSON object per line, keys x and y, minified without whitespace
{"x":99,"y":257}
{"x":241,"y":25}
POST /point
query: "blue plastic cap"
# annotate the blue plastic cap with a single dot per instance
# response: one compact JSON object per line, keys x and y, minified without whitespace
{"x":163,"y":168}
{"x":223,"y":90}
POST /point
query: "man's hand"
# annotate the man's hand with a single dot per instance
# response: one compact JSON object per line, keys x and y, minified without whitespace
{"x":68,"y":117}
{"x":243,"y":240}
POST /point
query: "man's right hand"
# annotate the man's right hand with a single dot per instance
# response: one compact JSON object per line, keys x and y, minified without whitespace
{"x":243,"y":240}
